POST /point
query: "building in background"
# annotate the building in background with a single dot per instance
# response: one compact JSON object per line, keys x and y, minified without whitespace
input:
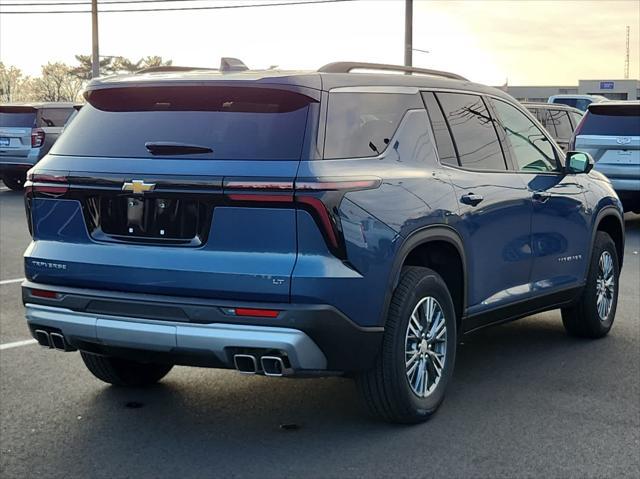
{"x":612,"y":89}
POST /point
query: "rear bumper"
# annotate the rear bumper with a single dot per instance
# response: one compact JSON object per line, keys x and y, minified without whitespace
{"x":13,"y":166}
{"x":194,"y":331}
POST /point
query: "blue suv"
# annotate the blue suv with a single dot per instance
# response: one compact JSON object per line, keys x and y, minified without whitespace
{"x":310,"y":224}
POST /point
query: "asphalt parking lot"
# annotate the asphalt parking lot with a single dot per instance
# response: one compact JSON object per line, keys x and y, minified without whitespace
{"x":526,"y":400}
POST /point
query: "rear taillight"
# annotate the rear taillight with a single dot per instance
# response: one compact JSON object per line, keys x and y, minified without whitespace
{"x":576,"y":132}
{"x":49,"y":183}
{"x":321,"y":197}
{"x":37,"y":137}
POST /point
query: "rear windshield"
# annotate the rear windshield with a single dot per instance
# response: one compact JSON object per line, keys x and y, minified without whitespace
{"x":579,"y":103}
{"x":17,"y":117}
{"x":234,"y":122}
{"x":614,"y":121}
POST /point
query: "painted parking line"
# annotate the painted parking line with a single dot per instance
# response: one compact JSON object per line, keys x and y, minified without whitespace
{"x":9,"y":281}
{"x":17,"y":344}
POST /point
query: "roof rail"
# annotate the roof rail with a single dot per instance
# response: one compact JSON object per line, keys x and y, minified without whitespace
{"x":170,"y":68}
{"x":346,"y":67}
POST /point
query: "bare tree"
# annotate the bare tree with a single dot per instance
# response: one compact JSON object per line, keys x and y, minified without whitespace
{"x":57,"y":83}
{"x":14,"y":86}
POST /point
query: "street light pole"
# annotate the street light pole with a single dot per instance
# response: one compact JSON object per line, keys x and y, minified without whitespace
{"x":408,"y":33}
{"x":95,"y":53}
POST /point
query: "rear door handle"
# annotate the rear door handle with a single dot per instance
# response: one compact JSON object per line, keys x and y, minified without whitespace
{"x":541,"y":196}
{"x":471,"y":199}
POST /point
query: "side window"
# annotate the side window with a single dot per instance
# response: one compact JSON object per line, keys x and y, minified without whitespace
{"x":54,"y":116}
{"x":531,"y":149}
{"x":444,"y":144}
{"x":576,"y":117}
{"x":547,"y":121}
{"x":473,"y":131}
{"x":562,"y":124}
{"x":362,"y":124}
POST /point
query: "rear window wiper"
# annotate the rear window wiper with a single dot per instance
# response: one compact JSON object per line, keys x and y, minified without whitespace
{"x":172,"y":148}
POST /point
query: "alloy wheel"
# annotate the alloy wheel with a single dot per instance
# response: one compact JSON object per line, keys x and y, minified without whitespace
{"x":605,"y":285}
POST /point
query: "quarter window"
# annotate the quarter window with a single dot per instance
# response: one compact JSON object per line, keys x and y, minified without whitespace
{"x":473,"y":131}
{"x":54,"y":116}
{"x":562,"y":124}
{"x":532,"y":150}
{"x":362,"y":124}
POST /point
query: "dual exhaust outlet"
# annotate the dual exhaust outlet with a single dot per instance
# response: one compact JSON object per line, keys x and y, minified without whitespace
{"x":269,"y":365}
{"x":51,"y":340}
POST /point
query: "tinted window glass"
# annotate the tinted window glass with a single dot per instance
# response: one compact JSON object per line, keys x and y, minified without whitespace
{"x":17,"y":117}
{"x":612,"y":121}
{"x":235,"y":122}
{"x":362,"y":124}
{"x":53,"y":116}
{"x":531,"y":149}
{"x":579,"y":103}
{"x":444,"y":144}
{"x":473,"y":131}
{"x":561,"y":123}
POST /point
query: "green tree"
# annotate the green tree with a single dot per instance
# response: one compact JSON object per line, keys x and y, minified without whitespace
{"x":83,"y":70}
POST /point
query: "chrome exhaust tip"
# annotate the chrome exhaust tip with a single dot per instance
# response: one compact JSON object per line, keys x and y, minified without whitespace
{"x":272,"y":366}
{"x":57,"y":341}
{"x":245,"y":363}
{"x":42,"y":337}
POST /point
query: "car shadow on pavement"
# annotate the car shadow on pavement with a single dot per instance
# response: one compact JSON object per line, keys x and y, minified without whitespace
{"x":218,"y":419}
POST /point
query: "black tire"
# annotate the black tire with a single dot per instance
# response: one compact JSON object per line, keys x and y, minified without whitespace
{"x":15,"y":183}
{"x":122,"y":372}
{"x":385,"y":389}
{"x":582,"y":319}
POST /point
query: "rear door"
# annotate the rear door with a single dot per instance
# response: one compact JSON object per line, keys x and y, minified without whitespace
{"x":562,"y":127}
{"x":16,"y":123}
{"x":495,"y":211}
{"x":181,"y":190}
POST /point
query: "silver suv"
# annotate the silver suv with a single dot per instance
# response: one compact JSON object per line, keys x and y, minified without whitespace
{"x":27,"y":132}
{"x":610,"y":132}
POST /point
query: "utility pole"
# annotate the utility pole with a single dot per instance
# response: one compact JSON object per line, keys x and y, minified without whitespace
{"x":95,"y":53}
{"x":626,"y":57}
{"x":408,"y":33}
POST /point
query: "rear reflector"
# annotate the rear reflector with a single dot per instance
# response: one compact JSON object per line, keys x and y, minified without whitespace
{"x":41,"y":293}
{"x":252,"y":312}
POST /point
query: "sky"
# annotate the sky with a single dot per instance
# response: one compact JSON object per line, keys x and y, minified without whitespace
{"x":524,"y":42}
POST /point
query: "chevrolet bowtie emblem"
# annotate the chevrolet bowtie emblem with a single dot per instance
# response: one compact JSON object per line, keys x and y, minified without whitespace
{"x":138,"y":186}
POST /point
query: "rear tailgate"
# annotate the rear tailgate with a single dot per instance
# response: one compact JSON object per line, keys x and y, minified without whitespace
{"x":164,"y":221}
{"x":16,"y":123}
{"x":611,"y":134}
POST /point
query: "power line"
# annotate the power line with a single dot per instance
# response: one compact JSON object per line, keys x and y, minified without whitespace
{"x":85,"y":2}
{"x":173,"y":9}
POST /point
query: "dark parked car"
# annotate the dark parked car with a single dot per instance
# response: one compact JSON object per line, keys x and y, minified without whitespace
{"x":610,"y":132}
{"x":310,"y":224}
{"x":559,"y":120}
{"x":27,"y":132}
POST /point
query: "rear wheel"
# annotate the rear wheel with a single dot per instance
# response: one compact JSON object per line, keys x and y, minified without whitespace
{"x":123,"y":372}
{"x":15,"y":183}
{"x":593,"y":314}
{"x":410,"y":375}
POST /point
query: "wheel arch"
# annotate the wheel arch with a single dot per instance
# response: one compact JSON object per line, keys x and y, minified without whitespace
{"x":414,"y":251}
{"x":610,"y":220}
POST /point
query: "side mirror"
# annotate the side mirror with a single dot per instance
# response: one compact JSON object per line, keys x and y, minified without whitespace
{"x":578,"y":162}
